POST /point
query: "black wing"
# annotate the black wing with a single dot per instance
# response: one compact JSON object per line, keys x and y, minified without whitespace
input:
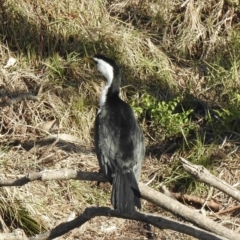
{"x":119,"y":140}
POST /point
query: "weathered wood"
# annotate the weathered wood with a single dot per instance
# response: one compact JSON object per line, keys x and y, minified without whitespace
{"x":203,"y":175}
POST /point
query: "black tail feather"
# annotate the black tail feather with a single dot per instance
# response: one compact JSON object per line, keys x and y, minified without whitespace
{"x":125,"y":192}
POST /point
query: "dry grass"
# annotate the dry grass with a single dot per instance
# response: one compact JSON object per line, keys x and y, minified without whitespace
{"x":189,"y":49}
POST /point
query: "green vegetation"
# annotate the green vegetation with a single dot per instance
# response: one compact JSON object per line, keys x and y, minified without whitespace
{"x":180,"y":64}
{"x":162,"y":116}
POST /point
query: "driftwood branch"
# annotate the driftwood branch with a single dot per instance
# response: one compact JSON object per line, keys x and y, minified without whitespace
{"x":203,"y":175}
{"x":147,"y":193}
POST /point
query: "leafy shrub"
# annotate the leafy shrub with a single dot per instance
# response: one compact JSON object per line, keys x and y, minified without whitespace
{"x":163,"y":116}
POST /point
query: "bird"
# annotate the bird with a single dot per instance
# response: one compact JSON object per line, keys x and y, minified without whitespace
{"x":118,"y":140}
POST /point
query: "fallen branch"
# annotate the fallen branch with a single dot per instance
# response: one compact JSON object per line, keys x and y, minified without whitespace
{"x":147,"y":193}
{"x":214,"y":206}
{"x":203,"y":175}
{"x":191,"y":200}
{"x":157,"y":221}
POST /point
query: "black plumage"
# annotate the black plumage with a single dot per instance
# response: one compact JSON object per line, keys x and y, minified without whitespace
{"x":119,"y":140}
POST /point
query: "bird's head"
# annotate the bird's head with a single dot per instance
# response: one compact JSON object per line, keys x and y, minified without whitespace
{"x":106,"y":66}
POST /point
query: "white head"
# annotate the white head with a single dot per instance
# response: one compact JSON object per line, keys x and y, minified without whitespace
{"x":105,"y":68}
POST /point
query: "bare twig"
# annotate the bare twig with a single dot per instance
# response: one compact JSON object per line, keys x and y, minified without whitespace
{"x":158,"y":221}
{"x":203,"y":175}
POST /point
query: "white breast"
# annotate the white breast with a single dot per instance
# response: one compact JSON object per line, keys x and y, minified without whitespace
{"x":103,"y":95}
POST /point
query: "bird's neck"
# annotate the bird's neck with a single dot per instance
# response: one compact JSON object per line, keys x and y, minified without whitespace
{"x":110,"y":90}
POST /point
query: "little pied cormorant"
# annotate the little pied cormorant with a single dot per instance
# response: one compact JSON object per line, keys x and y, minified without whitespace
{"x":119,"y":141}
